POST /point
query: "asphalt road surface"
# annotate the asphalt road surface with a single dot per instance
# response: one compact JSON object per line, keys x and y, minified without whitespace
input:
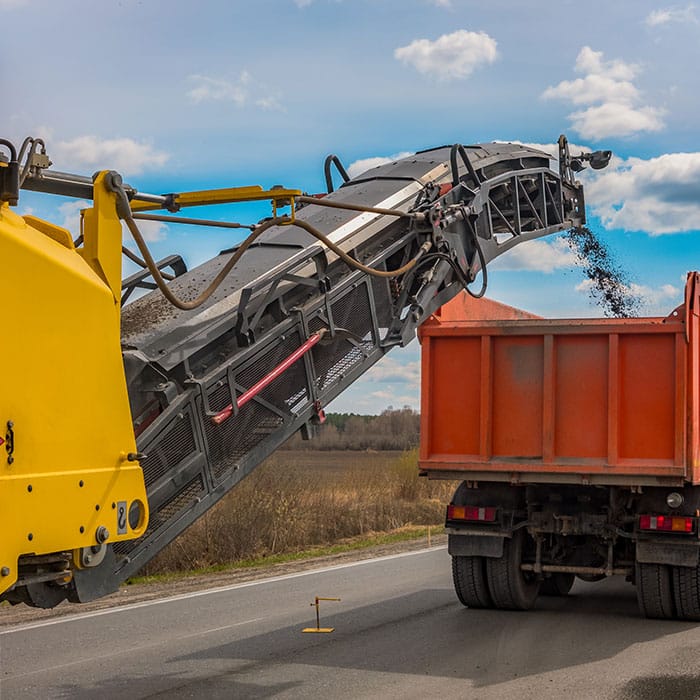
{"x":399,"y":633}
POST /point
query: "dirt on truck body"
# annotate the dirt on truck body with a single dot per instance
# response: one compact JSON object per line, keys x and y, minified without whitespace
{"x":578,"y":446}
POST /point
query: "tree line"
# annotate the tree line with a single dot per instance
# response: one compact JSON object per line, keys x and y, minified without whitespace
{"x":393,"y":429}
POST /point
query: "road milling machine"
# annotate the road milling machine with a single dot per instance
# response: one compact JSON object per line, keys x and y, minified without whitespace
{"x":122,"y":423}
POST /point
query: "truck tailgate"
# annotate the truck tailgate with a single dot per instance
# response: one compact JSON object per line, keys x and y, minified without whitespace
{"x":521,"y":398}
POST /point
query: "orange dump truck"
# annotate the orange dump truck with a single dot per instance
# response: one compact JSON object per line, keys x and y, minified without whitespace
{"x":577,"y":443}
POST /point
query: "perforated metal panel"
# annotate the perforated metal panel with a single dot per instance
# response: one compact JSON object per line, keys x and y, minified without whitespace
{"x":352,"y":313}
{"x":231,"y":440}
{"x":175,"y":444}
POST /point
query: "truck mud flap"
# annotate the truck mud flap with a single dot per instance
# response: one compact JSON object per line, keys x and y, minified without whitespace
{"x":475,"y":546}
{"x":673,"y":553}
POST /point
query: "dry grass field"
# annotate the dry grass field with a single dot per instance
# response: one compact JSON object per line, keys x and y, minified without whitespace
{"x":302,"y":499}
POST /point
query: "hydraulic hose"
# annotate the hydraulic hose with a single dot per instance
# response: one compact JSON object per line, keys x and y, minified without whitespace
{"x":238,"y":254}
{"x":356,"y":263}
{"x":482,"y":264}
{"x":158,"y":277}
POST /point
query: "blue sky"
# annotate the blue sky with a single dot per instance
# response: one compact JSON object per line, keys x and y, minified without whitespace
{"x":182,"y":95}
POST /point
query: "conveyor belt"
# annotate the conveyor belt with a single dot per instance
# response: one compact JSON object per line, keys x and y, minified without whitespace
{"x":183,"y":367}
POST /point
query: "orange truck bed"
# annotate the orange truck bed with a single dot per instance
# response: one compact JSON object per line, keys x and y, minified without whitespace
{"x":590,"y":401}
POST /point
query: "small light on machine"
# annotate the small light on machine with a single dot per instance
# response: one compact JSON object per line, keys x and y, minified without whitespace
{"x":136,"y":514}
{"x":667,"y":523}
{"x":487,"y":514}
{"x":674,"y":499}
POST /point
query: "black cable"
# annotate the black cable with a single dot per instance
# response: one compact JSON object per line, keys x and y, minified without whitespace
{"x":23,"y":148}
{"x":25,"y":169}
{"x":31,"y":144}
{"x":444,"y":256}
{"x":482,"y":258}
{"x":464,"y":281}
{"x":10,"y":147}
{"x":482,"y":264}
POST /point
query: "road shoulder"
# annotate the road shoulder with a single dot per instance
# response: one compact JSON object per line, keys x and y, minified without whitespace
{"x":140,"y":592}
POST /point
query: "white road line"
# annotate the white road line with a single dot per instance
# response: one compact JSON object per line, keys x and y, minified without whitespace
{"x":210,"y":591}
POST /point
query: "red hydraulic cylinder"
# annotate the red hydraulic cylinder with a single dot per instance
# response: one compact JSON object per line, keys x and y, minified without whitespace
{"x":246,"y":396}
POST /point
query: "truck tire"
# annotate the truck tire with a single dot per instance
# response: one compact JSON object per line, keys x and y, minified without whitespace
{"x":686,"y":592}
{"x":557,"y":584}
{"x":469,"y":576}
{"x":510,"y":587}
{"x":655,"y":591}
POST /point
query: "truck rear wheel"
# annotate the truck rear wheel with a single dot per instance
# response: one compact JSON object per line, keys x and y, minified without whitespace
{"x":686,"y":592}
{"x":557,"y":584}
{"x":655,"y":591}
{"x":469,"y":576}
{"x":510,"y":587}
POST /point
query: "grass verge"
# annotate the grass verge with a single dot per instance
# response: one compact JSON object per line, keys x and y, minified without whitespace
{"x":288,"y":510}
{"x":404,"y":534}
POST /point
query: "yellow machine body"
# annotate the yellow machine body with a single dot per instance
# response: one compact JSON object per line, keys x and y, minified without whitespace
{"x":68,"y":465}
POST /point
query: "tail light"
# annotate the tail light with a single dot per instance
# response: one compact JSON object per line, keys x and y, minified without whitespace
{"x":667,"y":523}
{"x":471,"y":513}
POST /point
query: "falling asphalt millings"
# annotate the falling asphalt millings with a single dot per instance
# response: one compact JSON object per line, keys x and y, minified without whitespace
{"x":610,"y":288}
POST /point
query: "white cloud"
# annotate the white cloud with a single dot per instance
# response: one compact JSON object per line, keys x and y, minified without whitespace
{"x":538,"y":256}
{"x":591,"y":62}
{"x":361,"y":399}
{"x":653,"y":301}
{"x":92,"y":153}
{"x":70,"y":211}
{"x":611,"y":99}
{"x":152,"y":231}
{"x":270,"y":104}
{"x":450,"y":56}
{"x":439,"y":3}
{"x":10,"y":4}
{"x":43,"y":131}
{"x":659,"y":195}
{"x":242,"y":91}
{"x":390,"y":399}
{"x":394,"y":380}
{"x":306,"y":3}
{"x":391,"y":371}
{"x":683,"y":15}
{"x":219,"y":90}
{"x":657,"y":300}
{"x":616,"y":119}
{"x":594,"y":88}
{"x":360,"y":166}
